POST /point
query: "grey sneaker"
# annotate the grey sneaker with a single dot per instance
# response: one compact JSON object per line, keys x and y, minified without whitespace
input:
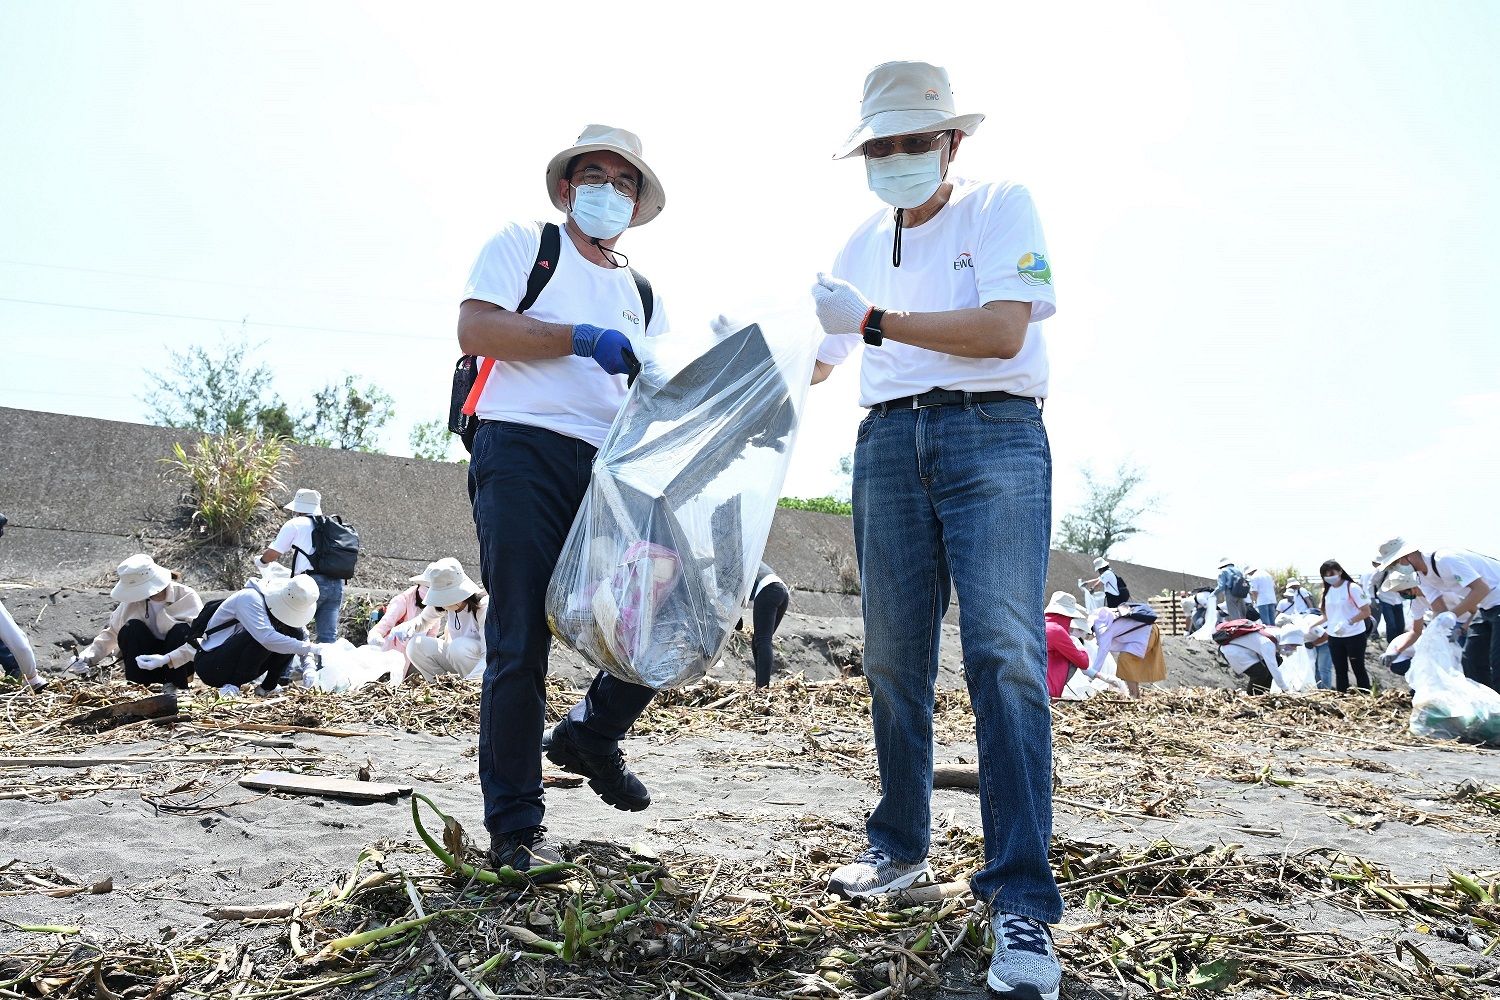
{"x":1025,"y":965}
{"x":873,"y":873}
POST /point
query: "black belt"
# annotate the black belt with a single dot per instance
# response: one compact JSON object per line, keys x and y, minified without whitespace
{"x":948,"y":397}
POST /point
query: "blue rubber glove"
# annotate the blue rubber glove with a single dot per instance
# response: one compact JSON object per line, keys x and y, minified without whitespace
{"x":610,"y":348}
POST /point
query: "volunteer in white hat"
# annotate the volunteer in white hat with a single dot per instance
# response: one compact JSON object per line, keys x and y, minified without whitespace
{"x":460,"y":605}
{"x":1233,"y":589}
{"x":400,"y":609}
{"x":17,"y":658}
{"x":561,"y":355}
{"x":155,"y":615}
{"x":1064,"y":653}
{"x":253,"y":634}
{"x":946,"y":289}
{"x":296,"y":537}
{"x":1464,"y":582}
{"x":1107,"y":581}
{"x":1297,"y":600}
{"x":1263,"y":594}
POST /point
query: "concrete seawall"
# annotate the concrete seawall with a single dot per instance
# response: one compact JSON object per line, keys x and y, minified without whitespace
{"x":82,"y":494}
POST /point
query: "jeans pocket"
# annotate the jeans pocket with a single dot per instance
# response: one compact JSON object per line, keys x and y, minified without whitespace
{"x":1009,"y":411}
{"x":865,"y":425}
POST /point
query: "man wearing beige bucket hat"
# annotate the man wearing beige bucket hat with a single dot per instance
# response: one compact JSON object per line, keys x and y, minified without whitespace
{"x":254,"y":633}
{"x":1461,"y":581}
{"x":155,"y":615}
{"x":948,"y":286}
{"x":560,"y":313}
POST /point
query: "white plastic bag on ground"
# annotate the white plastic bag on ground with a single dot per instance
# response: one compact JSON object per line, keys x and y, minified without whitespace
{"x":1445,"y":704}
{"x":1210,"y":623}
{"x":663,"y":552}
{"x":1299,"y":668}
{"x":346,"y":666}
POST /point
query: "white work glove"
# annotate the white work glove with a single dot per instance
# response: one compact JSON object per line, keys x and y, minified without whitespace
{"x":374,"y":638}
{"x":841,"y":307}
{"x":404,"y":631}
{"x":78,"y":665}
{"x":229,"y":691}
{"x":723,"y":326}
{"x":1118,"y":685}
{"x":151,"y":661}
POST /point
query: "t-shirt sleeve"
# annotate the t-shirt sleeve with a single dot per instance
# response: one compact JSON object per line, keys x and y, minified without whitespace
{"x":1011,"y":262}
{"x":1357,"y":596}
{"x":658,"y":324}
{"x":836,"y":348}
{"x":286,"y":537}
{"x":500,"y":272}
{"x":1459,"y":568}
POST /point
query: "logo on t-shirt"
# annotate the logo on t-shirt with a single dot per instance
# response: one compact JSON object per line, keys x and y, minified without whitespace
{"x":1034,"y":269}
{"x":631,"y":317}
{"x":963,"y":260}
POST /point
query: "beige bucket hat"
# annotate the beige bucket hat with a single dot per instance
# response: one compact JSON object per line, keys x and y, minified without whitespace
{"x":1064,"y":603}
{"x":1398,"y":580}
{"x":306,"y":502}
{"x":1390,"y":551}
{"x":449,"y":584}
{"x":651,"y":199}
{"x":1101,"y":563}
{"x":294,"y":601}
{"x":140,"y":577}
{"x":902,"y":98}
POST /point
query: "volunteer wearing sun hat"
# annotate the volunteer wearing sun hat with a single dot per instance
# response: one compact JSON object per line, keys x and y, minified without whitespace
{"x":255,"y":632}
{"x":558,"y":379}
{"x":155,"y":615}
{"x":948,"y":286}
{"x":1233,"y":589}
{"x":296,"y":537}
{"x":461,"y":605}
{"x":1064,"y":654}
{"x":1463,"y":582}
{"x":17,"y":658}
{"x":1107,"y":581}
{"x":399,"y":610}
{"x":1297,"y":599}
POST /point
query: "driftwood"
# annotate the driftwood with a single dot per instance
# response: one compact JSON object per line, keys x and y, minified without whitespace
{"x":155,"y":707}
{"x":955,"y":776}
{"x":314,"y":784}
{"x":273,"y":911}
{"x":67,"y":760}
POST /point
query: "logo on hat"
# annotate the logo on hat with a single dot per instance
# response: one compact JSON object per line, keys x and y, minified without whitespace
{"x":963,"y":260}
{"x":931,"y":95}
{"x":1034,"y":269}
{"x":631,"y":317}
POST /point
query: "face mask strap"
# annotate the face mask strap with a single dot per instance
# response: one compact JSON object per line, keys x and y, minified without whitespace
{"x":612,"y":255}
{"x":896,"y":245}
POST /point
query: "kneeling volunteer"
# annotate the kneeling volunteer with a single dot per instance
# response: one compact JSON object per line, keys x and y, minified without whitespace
{"x":255,"y":631}
{"x":155,"y":615}
{"x":460,"y":649}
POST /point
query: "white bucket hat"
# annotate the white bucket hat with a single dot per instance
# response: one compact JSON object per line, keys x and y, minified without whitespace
{"x":306,"y":502}
{"x":1398,"y":580}
{"x":1226,"y":561}
{"x":425,"y":577}
{"x":140,"y":577}
{"x":294,"y":601}
{"x":449,"y":584}
{"x":651,"y":198}
{"x":1101,"y":563}
{"x":903,"y":98}
{"x":1064,"y":603}
{"x":1396,"y":548}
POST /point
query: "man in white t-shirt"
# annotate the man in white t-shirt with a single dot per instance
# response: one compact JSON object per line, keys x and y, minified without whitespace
{"x":296,"y":538}
{"x":561,"y":356}
{"x":1465,"y":583}
{"x":1263,"y":594}
{"x":948,"y":287}
{"x":1107,"y":583}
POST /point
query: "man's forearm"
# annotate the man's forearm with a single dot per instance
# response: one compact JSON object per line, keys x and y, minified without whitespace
{"x":994,"y":330}
{"x":491,"y":332}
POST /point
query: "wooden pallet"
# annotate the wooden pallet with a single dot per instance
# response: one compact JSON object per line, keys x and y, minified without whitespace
{"x":1169,"y":616}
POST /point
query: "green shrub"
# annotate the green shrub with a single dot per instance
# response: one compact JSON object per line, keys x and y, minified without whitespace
{"x":231,"y":479}
{"x":823,"y":505}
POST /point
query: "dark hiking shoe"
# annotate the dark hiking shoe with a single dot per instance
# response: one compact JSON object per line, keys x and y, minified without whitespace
{"x":523,"y":850}
{"x":608,"y":776}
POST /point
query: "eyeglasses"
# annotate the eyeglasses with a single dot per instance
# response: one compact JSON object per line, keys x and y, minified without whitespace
{"x":911,"y":144}
{"x":623,"y":183}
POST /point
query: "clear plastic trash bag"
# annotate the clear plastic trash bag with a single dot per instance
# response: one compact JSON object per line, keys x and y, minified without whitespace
{"x":346,"y":666}
{"x":1445,"y":704}
{"x":663,"y":552}
{"x":1299,"y":668}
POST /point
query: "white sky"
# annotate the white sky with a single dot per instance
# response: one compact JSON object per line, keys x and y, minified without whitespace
{"x":1273,"y":226}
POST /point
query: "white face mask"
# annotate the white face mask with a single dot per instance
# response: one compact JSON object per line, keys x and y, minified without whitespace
{"x":905,"y":180}
{"x":1333,"y":581}
{"x":600,"y":211}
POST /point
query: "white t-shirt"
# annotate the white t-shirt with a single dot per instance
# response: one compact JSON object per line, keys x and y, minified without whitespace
{"x":1456,"y":571}
{"x":570,"y":395}
{"x":985,"y":245}
{"x":294,"y":535}
{"x":1262,"y":589}
{"x":1109,"y":582}
{"x":1342,"y":603}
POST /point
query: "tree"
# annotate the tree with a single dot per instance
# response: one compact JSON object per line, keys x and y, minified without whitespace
{"x":216,"y":393}
{"x":347,"y":416}
{"x":1106,"y":516}
{"x":430,"y":440}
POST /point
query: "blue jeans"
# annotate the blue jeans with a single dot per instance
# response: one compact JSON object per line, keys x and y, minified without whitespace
{"x":1267,"y":613}
{"x":1323,"y":666}
{"x":8,"y":662}
{"x":330,"y":600}
{"x":1395,"y":619}
{"x":526,"y":485}
{"x":961,"y":494}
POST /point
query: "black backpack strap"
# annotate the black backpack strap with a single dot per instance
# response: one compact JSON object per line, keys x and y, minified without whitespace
{"x":648,"y":299}
{"x":544,"y":266}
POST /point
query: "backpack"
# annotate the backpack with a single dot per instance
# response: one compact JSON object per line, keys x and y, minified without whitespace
{"x":1138,"y":613}
{"x":1124,"y":588}
{"x":1239,"y":587}
{"x":199,"y":630}
{"x":335,"y":547}
{"x":472,"y":372}
{"x":1230,"y":630}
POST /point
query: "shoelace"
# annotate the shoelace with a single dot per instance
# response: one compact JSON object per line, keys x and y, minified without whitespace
{"x":1022,"y":934}
{"x":872,"y":856}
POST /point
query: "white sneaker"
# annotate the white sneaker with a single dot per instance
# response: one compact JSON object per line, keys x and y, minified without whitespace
{"x":229,"y":691}
{"x":1025,"y":963}
{"x":874,"y":874}
{"x":37,"y":682}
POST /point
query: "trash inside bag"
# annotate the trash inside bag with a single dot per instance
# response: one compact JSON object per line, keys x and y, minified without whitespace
{"x":346,"y":666}
{"x":1445,"y":704}
{"x":664,"y":549}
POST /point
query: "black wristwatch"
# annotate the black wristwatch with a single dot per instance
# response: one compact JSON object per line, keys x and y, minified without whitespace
{"x":874,"y":336}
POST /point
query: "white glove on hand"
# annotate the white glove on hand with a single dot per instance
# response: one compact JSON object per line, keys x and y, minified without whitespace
{"x":723,"y":326}
{"x":1118,"y":685}
{"x":229,"y":691}
{"x":841,"y":307}
{"x":151,"y":661}
{"x":404,"y":631}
